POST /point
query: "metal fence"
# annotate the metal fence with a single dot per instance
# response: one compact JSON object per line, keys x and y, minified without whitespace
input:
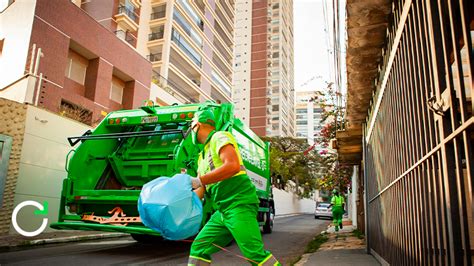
{"x":418,"y":160}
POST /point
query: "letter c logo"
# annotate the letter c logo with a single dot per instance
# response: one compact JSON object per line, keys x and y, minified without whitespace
{"x":43,"y":210}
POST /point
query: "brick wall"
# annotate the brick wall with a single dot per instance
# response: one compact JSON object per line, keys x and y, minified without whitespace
{"x":258,"y":74}
{"x":12,"y":123}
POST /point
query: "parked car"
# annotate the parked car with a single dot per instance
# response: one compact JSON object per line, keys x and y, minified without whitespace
{"x":323,"y":209}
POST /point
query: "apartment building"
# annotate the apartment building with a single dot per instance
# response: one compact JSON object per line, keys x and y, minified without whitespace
{"x":264,"y":66}
{"x":56,"y":56}
{"x":188,"y":42}
{"x":308,"y":117}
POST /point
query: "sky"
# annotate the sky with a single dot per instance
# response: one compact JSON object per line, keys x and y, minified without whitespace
{"x":310,"y":54}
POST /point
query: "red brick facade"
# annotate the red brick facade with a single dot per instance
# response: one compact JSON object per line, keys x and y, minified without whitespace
{"x":258,"y":83}
{"x":60,"y":26}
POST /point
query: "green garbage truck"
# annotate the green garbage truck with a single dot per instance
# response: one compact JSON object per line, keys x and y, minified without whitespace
{"x":109,"y":165}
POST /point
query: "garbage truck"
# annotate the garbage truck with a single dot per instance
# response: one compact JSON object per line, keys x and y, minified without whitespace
{"x":107,"y":166}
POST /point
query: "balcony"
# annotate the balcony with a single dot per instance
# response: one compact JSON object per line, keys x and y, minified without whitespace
{"x":127,"y":18}
{"x":183,"y":85}
{"x":158,"y":15}
{"x":136,"y":3}
{"x":127,"y":37}
{"x":155,"y":36}
{"x":154,"y":57}
{"x":186,"y":48}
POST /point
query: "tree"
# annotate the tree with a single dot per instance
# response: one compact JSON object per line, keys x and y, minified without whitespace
{"x":336,"y":175}
{"x":289,"y":163}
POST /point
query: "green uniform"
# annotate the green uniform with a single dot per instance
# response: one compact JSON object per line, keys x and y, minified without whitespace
{"x":235,"y":203}
{"x":337,"y":210}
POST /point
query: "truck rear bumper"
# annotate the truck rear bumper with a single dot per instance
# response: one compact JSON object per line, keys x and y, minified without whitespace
{"x":103,"y":227}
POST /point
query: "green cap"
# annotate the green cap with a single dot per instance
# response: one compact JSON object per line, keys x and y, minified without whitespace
{"x":334,"y":191}
{"x":205,"y":116}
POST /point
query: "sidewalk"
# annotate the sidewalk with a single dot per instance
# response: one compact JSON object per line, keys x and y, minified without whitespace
{"x":342,"y":248}
{"x":11,"y":242}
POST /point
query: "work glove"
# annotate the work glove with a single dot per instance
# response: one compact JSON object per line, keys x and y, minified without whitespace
{"x":196,"y":182}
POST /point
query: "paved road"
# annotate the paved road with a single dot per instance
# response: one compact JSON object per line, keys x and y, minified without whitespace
{"x":289,"y":239}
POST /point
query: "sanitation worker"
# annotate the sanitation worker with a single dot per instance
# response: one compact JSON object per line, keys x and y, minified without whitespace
{"x":222,"y":178}
{"x":337,"y":203}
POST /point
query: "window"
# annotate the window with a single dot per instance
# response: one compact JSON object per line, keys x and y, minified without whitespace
{"x":116,"y":90}
{"x":5,"y":149}
{"x":2,"y":41}
{"x":302,"y":122}
{"x":186,"y":47}
{"x":301,"y":111}
{"x":190,"y":11}
{"x":179,"y":18}
{"x":76,"y":67}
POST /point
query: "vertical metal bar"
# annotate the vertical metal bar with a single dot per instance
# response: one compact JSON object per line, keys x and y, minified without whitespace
{"x":366,"y":197}
{"x":450,"y":164}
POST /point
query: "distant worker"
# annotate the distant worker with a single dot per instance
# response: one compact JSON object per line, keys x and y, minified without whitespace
{"x":222,"y":178}
{"x":337,"y":203}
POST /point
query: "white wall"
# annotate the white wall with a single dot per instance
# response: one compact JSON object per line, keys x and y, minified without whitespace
{"x":42,"y":162}
{"x":16,"y":24}
{"x":157,"y":92}
{"x":288,"y":203}
{"x":242,"y":60}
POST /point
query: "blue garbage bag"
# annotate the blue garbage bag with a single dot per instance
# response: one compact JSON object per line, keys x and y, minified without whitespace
{"x":170,"y":207}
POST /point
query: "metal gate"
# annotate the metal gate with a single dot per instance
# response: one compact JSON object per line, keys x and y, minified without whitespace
{"x":418,"y":160}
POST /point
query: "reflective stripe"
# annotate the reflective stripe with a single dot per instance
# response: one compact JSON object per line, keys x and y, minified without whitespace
{"x":270,"y":260}
{"x":197,"y":261}
{"x":211,"y":162}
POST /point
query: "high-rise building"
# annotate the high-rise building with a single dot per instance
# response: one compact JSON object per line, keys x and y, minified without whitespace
{"x":189,"y":43}
{"x":264,"y":66}
{"x":308,"y":117}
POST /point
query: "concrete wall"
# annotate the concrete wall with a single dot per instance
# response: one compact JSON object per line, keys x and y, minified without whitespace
{"x":41,"y":164}
{"x":11,"y":116}
{"x":288,"y":203}
{"x":352,"y":197}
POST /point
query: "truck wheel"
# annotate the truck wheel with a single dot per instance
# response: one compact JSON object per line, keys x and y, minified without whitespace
{"x":268,"y":226}
{"x":146,"y":239}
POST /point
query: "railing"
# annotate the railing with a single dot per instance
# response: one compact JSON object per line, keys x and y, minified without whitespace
{"x":126,"y":36}
{"x":185,"y":49}
{"x":418,"y":156}
{"x":130,"y":13}
{"x":154,"y":57}
{"x":172,"y":88}
{"x":155,"y":36}
{"x":158,"y":15}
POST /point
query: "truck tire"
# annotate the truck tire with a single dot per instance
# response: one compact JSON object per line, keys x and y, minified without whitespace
{"x":147,"y":239}
{"x":268,"y":226}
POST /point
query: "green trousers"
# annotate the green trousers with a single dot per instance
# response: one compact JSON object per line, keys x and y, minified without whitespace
{"x":239,"y":223}
{"x":337,"y":212}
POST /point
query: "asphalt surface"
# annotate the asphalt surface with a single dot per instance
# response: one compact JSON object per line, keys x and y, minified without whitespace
{"x":288,"y":241}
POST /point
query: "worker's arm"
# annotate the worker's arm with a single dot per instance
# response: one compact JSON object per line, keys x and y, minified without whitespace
{"x":230,"y":167}
{"x":200,"y":192}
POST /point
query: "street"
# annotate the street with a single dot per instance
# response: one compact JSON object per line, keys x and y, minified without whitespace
{"x":288,"y":240}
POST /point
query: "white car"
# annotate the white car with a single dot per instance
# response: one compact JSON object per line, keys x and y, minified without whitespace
{"x":323,"y":209}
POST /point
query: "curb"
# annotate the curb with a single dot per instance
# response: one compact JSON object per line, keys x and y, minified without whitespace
{"x":290,"y":214}
{"x":57,"y":240}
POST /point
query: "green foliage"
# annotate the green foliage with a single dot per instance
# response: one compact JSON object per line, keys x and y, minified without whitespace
{"x":335,"y":175}
{"x":288,"y":162}
{"x":317,"y":241}
{"x":357,"y":233}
